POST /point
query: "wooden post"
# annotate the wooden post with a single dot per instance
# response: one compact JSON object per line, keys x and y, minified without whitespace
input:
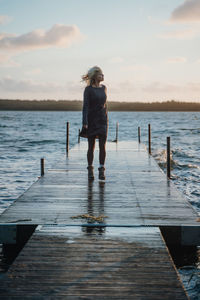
{"x":67,"y":138}
{"x":42,"y":166}
{"x":117,"y":129}
{"x":139,"y":135}
{"x":79,"y":135}
{"x":168,"y":158}
{"x":149,"y":134}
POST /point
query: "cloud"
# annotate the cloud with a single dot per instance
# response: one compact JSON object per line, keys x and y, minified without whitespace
{"x":121,"y":87}
{"x":127,"y":90}
{"x":153,"y":90}
{"x":154,"y":87}
{"x":136,"y":67}
{"x":126,"y":84}
{"x":116,"y":60}
{"x":3,"y":58}
{"x":4,"y":19}
{"x":187,"y":12}
{"x":158,"y":87}
{"x":193,"y":86}
{"x":180,"y":34}
{"x":6,"y":61}
{"x":10,"y":85}
{"x":35,"y":71}
{"x":28,"y":85}
{"x":177,"y":59}
{"x":58,"y":36}
{"x":5,"y":35}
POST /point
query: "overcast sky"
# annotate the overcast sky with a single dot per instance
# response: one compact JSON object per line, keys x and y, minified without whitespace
{"x":149,"y":50}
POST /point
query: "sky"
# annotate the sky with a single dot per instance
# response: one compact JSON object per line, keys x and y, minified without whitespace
{"x":148,"y":50}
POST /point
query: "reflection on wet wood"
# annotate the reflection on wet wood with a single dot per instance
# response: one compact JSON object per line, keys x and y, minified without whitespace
{"x":136,"y":192}
{"x":94,"y":260}
{"x":113,"y":263}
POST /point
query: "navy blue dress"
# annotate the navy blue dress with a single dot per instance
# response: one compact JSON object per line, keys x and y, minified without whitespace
{"x":95,"y":111}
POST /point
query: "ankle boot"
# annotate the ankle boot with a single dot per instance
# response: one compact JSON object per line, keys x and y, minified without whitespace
{"x":101,"y":173}
{"x":90,"y":172}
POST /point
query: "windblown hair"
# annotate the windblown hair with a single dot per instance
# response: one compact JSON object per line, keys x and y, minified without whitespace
{"x":89,"y":78}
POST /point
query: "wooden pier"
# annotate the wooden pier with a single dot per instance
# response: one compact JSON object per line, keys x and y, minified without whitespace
{"x":98,"y":240}
{"x":136,"y":192}
{"x":117,"y":263}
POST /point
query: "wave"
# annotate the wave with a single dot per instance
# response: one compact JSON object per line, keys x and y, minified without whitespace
{"x":192,"y":130}
{"x":6,"y":117}
{"x":161,"y":157}
{"x":4,"y":126}
{"x":2,"y":157}
{"x":41,"y":142}
{"x":22,"y":150}
{"x":187,"y":166}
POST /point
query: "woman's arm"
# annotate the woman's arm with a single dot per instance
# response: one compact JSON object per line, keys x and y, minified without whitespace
{"x":105,"y":88}
{"x":85,"y":107}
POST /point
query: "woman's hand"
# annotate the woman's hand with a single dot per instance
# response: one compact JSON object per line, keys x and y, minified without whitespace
{"x":85,"y":126}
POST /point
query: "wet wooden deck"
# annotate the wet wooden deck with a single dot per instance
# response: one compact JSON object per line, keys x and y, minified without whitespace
{"x":136,"y":193}
{"x":122,"y":256}
{"x":76,"y":263}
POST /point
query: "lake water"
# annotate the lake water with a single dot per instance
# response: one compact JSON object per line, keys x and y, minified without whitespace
{"x":28,"y":136}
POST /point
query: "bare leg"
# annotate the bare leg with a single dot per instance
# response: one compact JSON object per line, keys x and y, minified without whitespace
{"x":102,"y":149}
{"x":90,"y":153}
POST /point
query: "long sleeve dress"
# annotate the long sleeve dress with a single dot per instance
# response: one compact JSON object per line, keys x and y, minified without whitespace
{"x":95,"y":111}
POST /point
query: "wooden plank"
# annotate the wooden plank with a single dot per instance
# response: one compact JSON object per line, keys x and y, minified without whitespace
{"x":136,"y":192}
{"x":70,"y":263}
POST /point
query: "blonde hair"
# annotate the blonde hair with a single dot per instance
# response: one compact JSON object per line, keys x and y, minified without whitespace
{"x":91,"y":74}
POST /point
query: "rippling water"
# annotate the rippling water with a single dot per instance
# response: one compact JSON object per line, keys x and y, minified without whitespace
{"x":28,"y":136}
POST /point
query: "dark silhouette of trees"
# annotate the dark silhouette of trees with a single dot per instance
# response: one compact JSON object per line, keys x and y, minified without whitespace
{"x":76,"y":105}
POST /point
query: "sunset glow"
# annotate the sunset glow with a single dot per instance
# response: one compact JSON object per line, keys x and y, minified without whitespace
{"x":148,"y":49}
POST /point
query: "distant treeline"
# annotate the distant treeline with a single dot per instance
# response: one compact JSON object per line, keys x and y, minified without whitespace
{"x":76,"y":105}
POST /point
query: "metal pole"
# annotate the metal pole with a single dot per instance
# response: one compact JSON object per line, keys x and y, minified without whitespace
{"x":79,"y":135}
{"x":117,"y":129}
{"x":149,"y":134}
{"x":139,"y":135}
{"x":42,"y":166}
{"x":67,"y":138}
{"x":168,"y":158}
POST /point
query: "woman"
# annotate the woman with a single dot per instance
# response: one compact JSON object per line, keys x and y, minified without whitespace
{"x":95,"y":118}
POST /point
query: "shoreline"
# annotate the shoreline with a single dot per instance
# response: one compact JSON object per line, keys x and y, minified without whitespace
{"x":76,"y":105}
